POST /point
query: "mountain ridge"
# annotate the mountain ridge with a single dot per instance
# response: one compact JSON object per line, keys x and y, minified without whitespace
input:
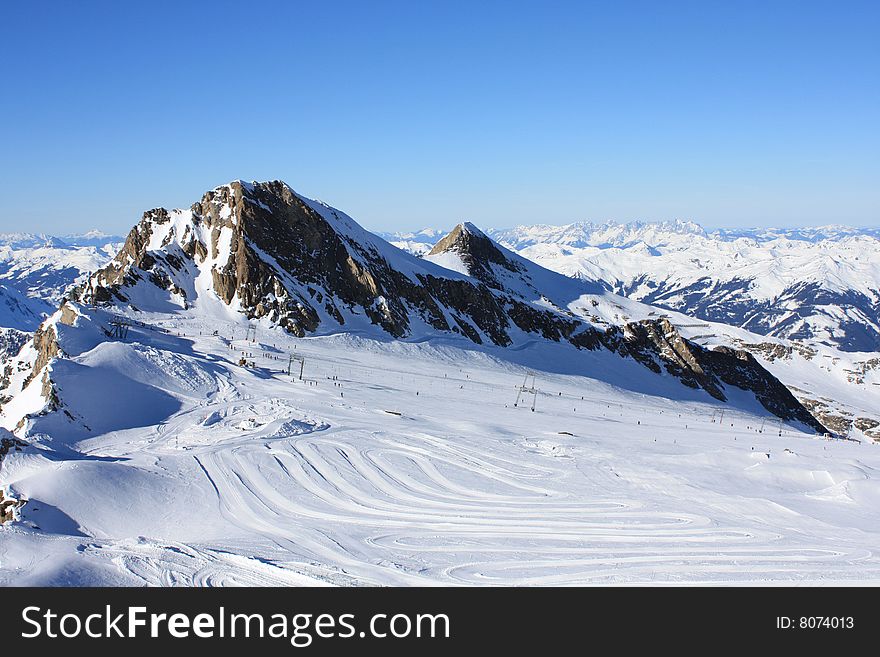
{"x":263,"y":251}
{"x":813,"y":284}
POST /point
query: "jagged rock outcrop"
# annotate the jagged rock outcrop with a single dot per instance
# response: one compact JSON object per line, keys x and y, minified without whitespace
{"x":277,"y":256}
{"x":869,"y":426}
{"x":46,"y":346}
{"x":661,"y":348}
{"x":739,"y":368}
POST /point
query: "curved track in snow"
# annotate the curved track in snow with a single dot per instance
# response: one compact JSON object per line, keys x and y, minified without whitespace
{"x":408,"y":465}
{"x":401,"y":513}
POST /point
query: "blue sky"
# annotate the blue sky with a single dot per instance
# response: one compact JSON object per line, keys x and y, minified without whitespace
{"x":412,"y":114}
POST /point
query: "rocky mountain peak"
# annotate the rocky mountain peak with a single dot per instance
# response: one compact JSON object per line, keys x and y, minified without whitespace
{"x":478,"y":253}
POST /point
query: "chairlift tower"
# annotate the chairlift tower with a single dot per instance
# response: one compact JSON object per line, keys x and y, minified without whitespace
{"x":526,"y":389}
{"x":120,"y":328}
{"x":302,"y":364}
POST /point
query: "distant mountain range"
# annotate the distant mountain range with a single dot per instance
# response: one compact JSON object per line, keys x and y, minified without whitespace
{"x":37,"y":269}
{"x":812,"y":284}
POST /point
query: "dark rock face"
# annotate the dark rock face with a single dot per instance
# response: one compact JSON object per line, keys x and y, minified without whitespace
{"x":7,"y":508}
{"x":866,"y":424}
{"x":739,"y":368}
{"x":659,"y":346}
{"x":282,"y":257}
{"x":46,"y":345}
{"x":11,"y":342}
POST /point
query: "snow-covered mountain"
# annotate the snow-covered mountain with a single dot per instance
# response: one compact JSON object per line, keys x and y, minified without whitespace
{"x":97,"y":238}
{"x":621,"y":234}
{"x":463,"y":417}
{"x":813,"y":284}
{"x":264,"y":251}
{"x":417,"y":243}
{"x":37,"y":269}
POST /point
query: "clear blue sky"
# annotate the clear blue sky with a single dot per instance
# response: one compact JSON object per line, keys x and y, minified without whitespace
{"x":412,"y":114}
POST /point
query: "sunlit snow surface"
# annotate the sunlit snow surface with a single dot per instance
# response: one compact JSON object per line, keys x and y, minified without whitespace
{"x":407,"y":464}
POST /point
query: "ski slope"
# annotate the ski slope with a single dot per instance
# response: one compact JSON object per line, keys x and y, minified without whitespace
{"x":406,"y":463}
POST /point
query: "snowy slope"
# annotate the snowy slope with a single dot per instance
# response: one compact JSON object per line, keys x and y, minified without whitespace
{"x":20,"y":312}
{"x":407,"y":463}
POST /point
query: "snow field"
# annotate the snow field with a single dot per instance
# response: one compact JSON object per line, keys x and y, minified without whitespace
{"x":404,"y":464}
